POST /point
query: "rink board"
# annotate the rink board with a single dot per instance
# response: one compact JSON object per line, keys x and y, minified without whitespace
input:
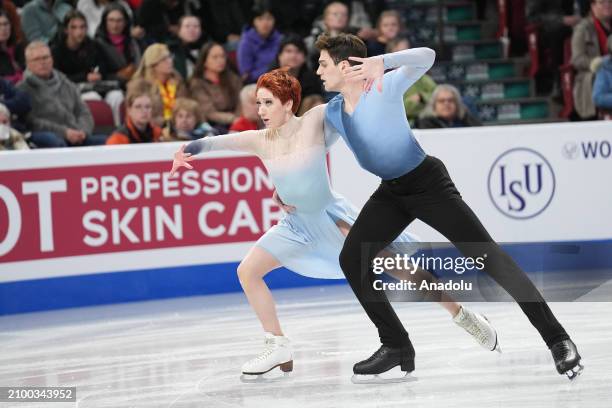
{"x":106,"y":224}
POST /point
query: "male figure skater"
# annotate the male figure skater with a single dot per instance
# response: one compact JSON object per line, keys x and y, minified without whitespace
{"x":414,"y":185}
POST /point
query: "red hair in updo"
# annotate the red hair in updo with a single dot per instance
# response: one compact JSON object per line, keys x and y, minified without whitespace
{"x":283,"y":86}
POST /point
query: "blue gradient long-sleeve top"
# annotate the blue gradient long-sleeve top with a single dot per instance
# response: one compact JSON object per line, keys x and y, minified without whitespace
{"x":377,"y":132}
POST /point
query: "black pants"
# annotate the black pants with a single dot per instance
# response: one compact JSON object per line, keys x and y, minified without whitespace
{"x":428,"y":193}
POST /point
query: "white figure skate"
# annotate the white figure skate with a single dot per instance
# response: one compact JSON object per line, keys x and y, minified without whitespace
{"x":479,"y":328}
{"x":277,"y":353}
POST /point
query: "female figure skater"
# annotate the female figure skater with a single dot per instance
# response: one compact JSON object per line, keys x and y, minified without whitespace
{"x":307,"y":240}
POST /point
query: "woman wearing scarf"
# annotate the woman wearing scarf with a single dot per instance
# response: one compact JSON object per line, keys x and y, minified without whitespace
{"x":156,"y":67}
{"x":120,"y":48}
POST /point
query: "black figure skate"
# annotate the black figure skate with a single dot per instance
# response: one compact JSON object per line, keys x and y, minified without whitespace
{"x":383,"y":360}
{"x":567,"y":359}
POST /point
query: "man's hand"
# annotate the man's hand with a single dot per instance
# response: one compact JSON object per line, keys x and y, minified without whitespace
{"x":181,"y":159}
{"x":370,"y":70}
{"x":75,"y":137}
{"x":279,"y":202}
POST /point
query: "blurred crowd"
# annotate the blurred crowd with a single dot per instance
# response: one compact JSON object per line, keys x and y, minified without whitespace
{"x":167,"y":70}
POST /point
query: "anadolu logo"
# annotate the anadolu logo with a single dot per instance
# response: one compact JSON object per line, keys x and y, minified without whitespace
{"x":521,"y":183}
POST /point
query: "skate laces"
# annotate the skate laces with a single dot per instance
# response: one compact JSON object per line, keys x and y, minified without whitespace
{"x":264,"y":355}
{"x":560,"y":350}
{"x":377,"y":354}
{"x":472,"y":325}
{"x":270,"y":347}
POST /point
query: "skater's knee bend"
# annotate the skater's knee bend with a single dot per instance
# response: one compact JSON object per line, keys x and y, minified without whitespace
{"x":350,"y":260}
{"x":245,"y":274}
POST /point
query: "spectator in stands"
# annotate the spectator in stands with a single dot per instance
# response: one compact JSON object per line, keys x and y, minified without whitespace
{"x":602,"y":88}
{"x":363,"y":15}
{"x":589,"y":44}
{"x":19,"y":105}
{"x":17,"y":102}
{"x":10,"y":139}
{"x":399,"y":43}
{"x":93,"y":10}
{"x":83,"y":61}
{"x":186,"y":123}
{"x":555,"y":20}
{"x":186,"y":48}
{"x":249,"y":117}
{"x":335,"y":20}
{"x":296,"y":16}
{"x":56,"y":103}
{"x":41,"y":19}
{"x":160,"y":19}
{"x":223,"y":20}
{"x":419,"y":94}
{"x":339,"y":18}
{"x":138,"y":127}
{"x":215,"y":87}
{"x":292,"y":55}
{"x":258,"y":44}
{"x":11,"y":51}
{"x":389,"y":28}
{"x":10,"y":9}
{"x":445,"y":110}
{"x":122,"y":51}
{"x":157,"y":68}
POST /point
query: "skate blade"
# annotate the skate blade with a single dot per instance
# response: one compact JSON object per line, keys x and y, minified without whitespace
{"x":383,"y":378}
{"x":573,"y":374}
{"x":264,"y":378}
{"x":497,"y":347}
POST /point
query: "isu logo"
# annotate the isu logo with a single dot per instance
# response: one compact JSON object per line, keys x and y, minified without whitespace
{"x":521,"y":183}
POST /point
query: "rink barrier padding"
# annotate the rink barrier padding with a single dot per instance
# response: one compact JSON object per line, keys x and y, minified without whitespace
{"x":149,"y":284}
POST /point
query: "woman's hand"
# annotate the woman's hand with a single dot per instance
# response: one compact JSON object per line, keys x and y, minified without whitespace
{"x":181,"y":159}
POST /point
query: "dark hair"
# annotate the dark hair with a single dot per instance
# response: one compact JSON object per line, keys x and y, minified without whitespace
{"x":293,"y":39}
{"x":342,"y":46}
{"x":224,"y":77}
{"x":12,"y":40}
{"x":73,"y":15}
{"x":61,"y":37}
{"x":261,"y":7}
{"x":102,"y":31}
{"x":289,"y":39}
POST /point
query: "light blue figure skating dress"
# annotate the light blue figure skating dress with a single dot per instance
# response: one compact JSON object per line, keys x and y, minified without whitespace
{"x":308,"y":240}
